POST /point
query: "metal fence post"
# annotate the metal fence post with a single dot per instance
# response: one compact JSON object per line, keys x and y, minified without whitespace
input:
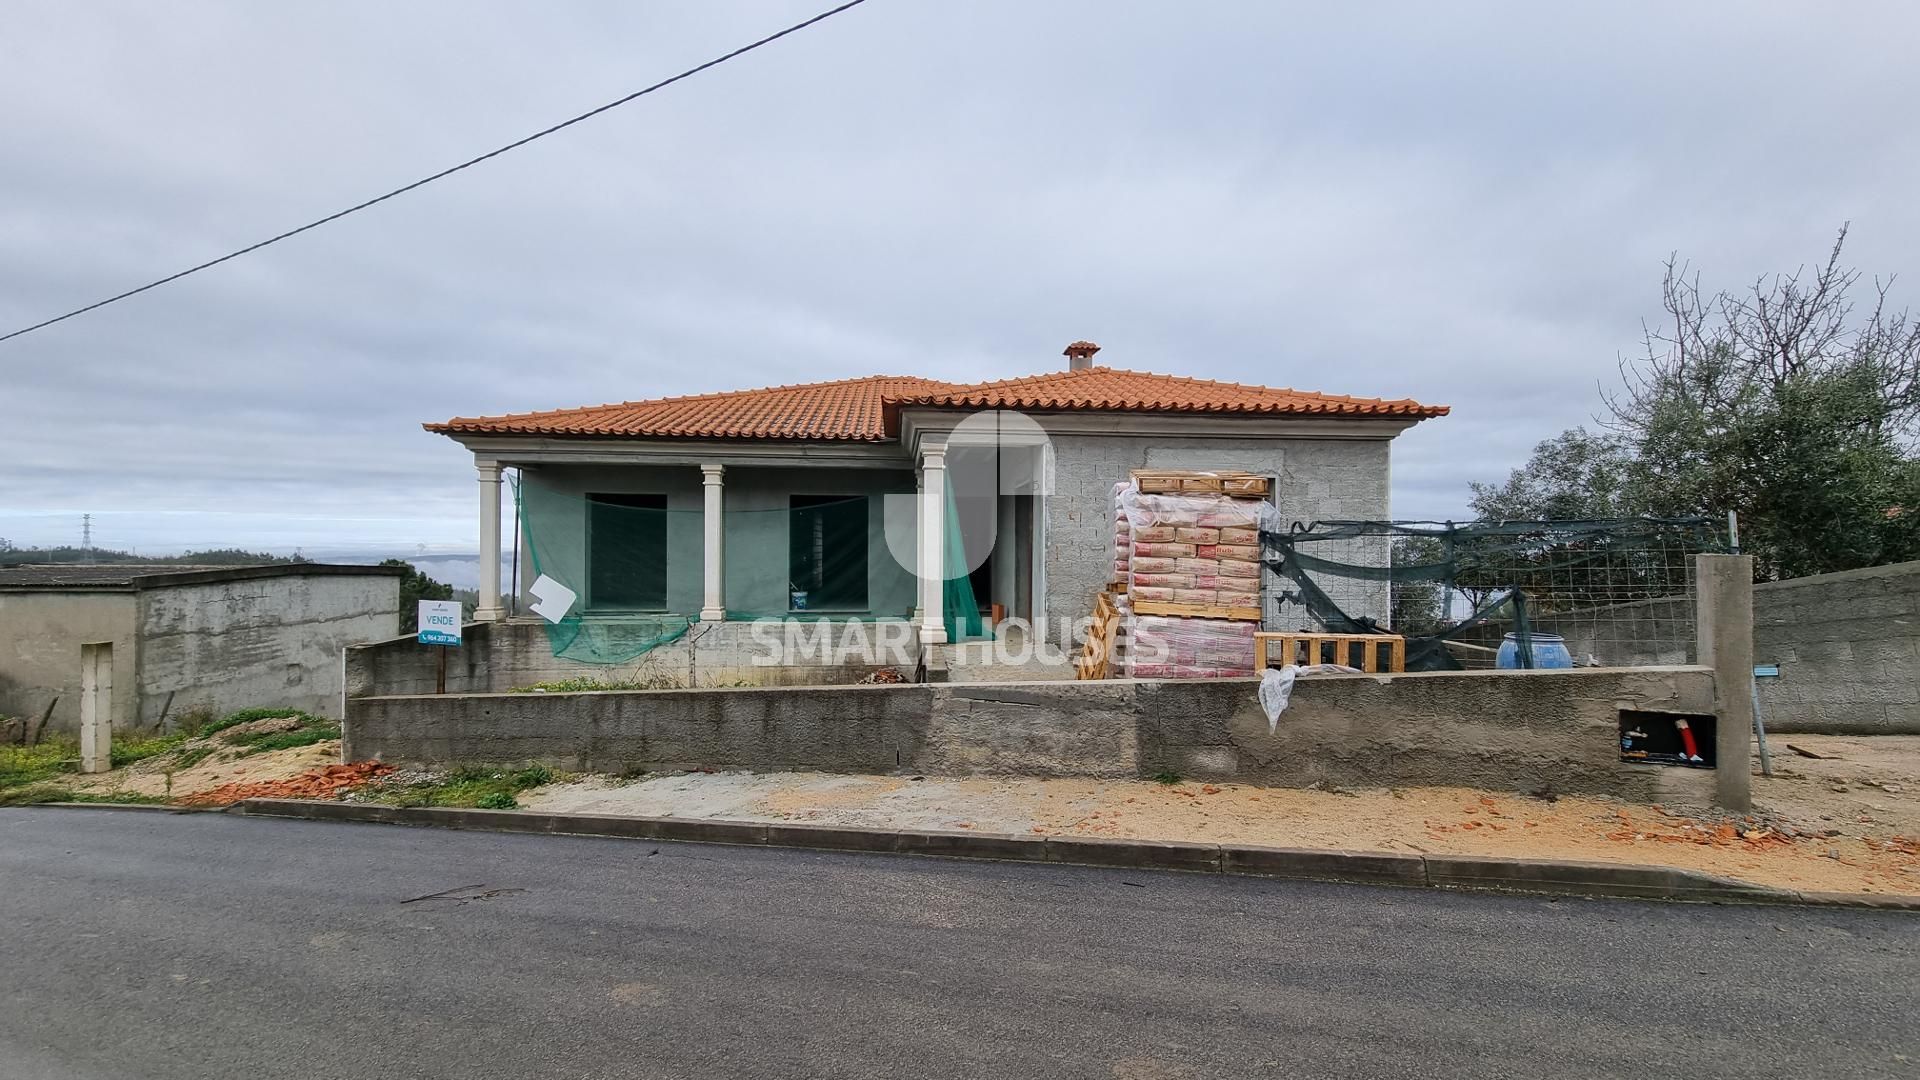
{"x":1723,"y":628}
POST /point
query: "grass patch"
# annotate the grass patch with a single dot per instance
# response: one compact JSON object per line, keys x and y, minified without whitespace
{"x":1166,"y":776}
{"x":486,"y":787}
{"x":192,"y":755}
{"x":129,"y":748}
{"x":314,"y":731}
{"x":55,"y":793}
{"x":25,"y":766}
{"x":214,"y":727}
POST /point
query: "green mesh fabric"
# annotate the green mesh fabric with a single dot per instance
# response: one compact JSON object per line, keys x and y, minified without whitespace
{"x":1507,"y":571}
{"x":957,"y":603}
{"x":815,"y":556}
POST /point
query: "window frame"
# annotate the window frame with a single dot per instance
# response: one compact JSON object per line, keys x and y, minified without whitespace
{"x":593,"y":604}
{"x":865,"y":501}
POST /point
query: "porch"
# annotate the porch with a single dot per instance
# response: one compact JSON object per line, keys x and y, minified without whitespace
{"x":619,"y":547}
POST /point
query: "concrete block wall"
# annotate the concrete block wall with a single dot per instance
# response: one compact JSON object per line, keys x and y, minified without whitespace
{"x":227,"y":645}
{"x":1848,"y":646}
{"x":500,"y":657}
{"x":1513,"y":731}
{"x":1316,"y":479}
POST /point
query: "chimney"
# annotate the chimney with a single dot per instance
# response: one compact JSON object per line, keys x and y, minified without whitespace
{"x":1080,"y":355}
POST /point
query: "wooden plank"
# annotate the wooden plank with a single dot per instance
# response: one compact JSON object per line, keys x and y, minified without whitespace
{"x":1196,"y":611}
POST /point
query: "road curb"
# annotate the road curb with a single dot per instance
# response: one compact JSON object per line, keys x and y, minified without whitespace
{"x":1532,"y":876}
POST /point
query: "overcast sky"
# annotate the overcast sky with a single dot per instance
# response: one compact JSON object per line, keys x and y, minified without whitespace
{"x":1463,"y":203}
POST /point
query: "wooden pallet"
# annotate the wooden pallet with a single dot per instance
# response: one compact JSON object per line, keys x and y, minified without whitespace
{"x":1096,"y":654}
{"x":1341,"y":644}
{"x":1176,"y":482}
{"x":1196,"y":611}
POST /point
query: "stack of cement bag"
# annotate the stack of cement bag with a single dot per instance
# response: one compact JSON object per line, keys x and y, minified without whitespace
{"x":1198,"y":549}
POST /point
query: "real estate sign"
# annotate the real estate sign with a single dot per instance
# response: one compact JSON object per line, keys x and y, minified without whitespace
{"x":439,"y":622}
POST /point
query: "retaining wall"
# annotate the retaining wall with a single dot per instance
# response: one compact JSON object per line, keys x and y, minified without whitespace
{"x":1517,"y":731}
{"x":495,"y":657}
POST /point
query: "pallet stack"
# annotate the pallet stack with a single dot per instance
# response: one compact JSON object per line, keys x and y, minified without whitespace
{"x":1187,"y":545}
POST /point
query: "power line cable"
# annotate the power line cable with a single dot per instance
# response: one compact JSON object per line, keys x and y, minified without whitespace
{"x":422,"y":182}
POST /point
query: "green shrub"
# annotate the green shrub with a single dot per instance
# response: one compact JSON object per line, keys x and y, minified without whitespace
{"x":496,"y":800}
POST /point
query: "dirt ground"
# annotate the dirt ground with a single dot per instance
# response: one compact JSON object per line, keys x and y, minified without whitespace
{"x":224,"y":766}
{"x":1848,"y":821}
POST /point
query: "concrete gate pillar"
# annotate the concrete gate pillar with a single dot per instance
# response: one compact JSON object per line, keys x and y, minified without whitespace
{"x":1723,"y":636}
{"x":96,"y":706}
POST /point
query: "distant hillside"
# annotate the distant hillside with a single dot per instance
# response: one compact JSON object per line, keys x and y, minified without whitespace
{"x":13,"y":556}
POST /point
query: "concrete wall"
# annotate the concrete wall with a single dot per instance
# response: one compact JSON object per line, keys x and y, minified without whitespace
{"x":755,"y":512}
{"x":40,"y":637}
{"x":499,"y":657}
{"x":1520,"y":731}
{"x":1316,"y":479}
{"x":227,"y":645}
{"x":1639,"y":634}
{"x":1848,"y":646}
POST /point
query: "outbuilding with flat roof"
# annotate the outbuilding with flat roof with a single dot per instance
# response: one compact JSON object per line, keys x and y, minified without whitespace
{"x":185,"y":637}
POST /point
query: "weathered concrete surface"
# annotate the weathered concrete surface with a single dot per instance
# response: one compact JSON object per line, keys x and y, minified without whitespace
{"x":1516,"y":731}
{"x":40,"y":637}
{"x":1848,"y":646}
{"x":221,"y":638}
{"x":1512,"y":731}
{"x":226,"y":645}
{"x":833,"y":729}
{"x":516,"y":653}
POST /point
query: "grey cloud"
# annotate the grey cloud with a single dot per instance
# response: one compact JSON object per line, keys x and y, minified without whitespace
{"x":1465,"y":204}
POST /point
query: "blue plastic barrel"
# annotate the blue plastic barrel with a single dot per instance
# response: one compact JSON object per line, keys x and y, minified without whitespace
{"x":1549,"y":651}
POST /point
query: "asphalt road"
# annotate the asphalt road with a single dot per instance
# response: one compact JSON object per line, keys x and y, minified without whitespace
{"x":138,"y":945}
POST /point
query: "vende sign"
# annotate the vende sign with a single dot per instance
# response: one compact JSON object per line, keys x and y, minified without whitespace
{"x":439,"y":622}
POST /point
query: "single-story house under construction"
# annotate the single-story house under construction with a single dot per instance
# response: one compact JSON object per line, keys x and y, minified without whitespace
{"x":800,"y":500}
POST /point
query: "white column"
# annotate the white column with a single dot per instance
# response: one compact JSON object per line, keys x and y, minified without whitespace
{"x":713,"y":605}
{"x":933,"y":530}
{"x":96,"y":706}
{"x":489,"y":609}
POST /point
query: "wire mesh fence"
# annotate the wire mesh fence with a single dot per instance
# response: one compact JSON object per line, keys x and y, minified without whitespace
{"x":1519,"y":594}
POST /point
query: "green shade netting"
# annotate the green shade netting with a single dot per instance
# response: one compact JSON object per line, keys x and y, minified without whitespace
{"x":957,"y":603}
{"x":1506,"y":570}
{"x":811,"y":558}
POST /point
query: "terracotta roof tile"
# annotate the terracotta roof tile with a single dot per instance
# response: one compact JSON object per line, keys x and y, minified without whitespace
{"x":1103,"y":389}
{"x":846,"y":410}
{"x":866,"y":410}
